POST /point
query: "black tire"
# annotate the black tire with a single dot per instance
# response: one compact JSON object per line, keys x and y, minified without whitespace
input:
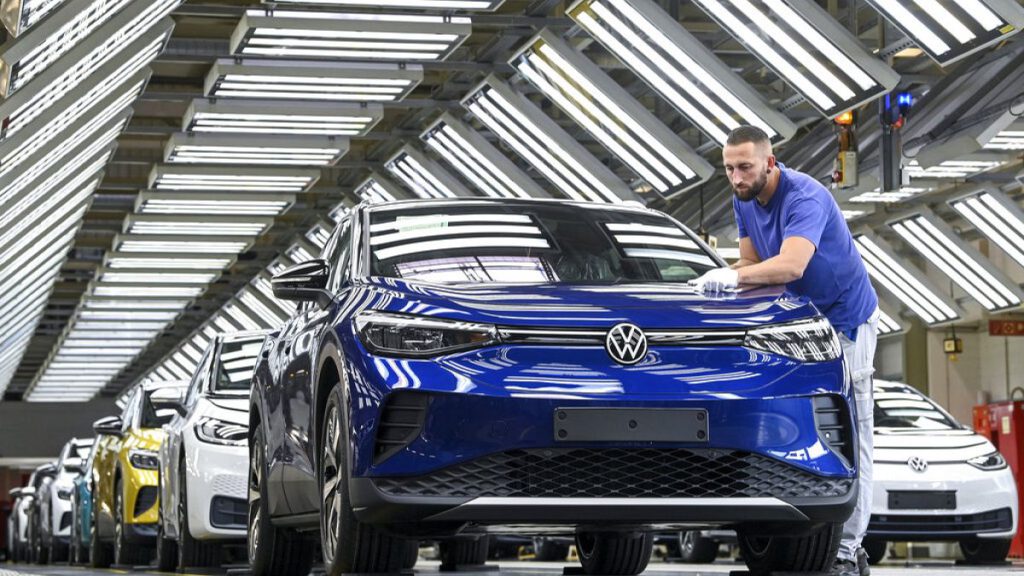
{"x":625,"y":554}
{"x":696,"y":549}
{"x":465,"y":551}
{"x":100,"y":554}
{"x":348,"y":545}
{"x":813,"y":552}
{"x":166,"y":549}
{"x":875,"y":550}
{"x":59,"y":552}
{"x":192,"y":553}
{"x":125,"y":553}
{"x":548,"y":550}
{"x":74,"y":541}
{"x":412,"y":554}
{"x":978,"y":551}
{"x":271,"y":551}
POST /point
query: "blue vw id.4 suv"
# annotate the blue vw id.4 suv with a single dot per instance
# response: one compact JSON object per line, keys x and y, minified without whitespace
{"x":459,"y":367}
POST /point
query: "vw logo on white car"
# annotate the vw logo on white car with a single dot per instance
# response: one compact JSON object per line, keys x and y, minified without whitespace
{"x":917,"y":464}
{"x":626,"y":344}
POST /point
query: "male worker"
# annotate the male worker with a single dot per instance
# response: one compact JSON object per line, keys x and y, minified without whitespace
{"x":792,"y":232}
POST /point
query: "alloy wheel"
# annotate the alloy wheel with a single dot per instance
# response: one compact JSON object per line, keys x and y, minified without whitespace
{"x":255,"y":485}
{"x":330,"y":481}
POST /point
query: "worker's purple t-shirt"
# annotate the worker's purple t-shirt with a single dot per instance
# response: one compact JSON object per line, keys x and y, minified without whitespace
{"x":835,"y":279}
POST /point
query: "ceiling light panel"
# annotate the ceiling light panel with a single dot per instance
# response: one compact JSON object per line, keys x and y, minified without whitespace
{"x":949,"y":30}
{"x":167,"y":261}
{"x":379,"y":189}
{"x":319,"y":235}
{"x":479,"y":162}
{"x":20,"y":15}
{"x":908,"y":285}
{"x":154,"y":276}
{"x":266,"y":150}
{"x":237,"y":116}
{"x":964,"y":265}
{"x":424,"y":176}
{"x":997,"y":217}
{"x":1007,"y":140}
{"x":951,"y":169}
{"x":468,"y":5}
{"x":138,"y":29}
{"x":340,"y":211}
{"x":876,"y":196}
{"x":225,"y":179}
{"x":146,"y":245}
{"x":617,"y":120}
{"x":310,"y":80}
{"x":679,"y":67}
{"x":544,"y":144}
{"x":348,"y":35}
{"x":212,"y":203}
{"x":808,"y":49}
{"x":195,"y":226}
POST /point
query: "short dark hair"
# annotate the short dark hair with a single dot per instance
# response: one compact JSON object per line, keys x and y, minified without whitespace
{"x":744,"y":134}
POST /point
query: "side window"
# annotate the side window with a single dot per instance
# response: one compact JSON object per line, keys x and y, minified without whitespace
{"x":130,"y":409}
{"x":201,"y":376}
{"x":342,"y":257}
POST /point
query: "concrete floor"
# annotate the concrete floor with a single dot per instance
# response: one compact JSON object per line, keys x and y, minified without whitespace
{"x":513,"y":568}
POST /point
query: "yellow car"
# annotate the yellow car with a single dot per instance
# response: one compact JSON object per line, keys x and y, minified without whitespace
{"x":125,"y":476}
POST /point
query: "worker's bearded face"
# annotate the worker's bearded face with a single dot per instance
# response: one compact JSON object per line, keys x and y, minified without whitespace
{"x":747,"y":166}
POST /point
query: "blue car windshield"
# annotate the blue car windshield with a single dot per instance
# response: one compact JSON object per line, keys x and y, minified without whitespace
{"x":531,"y":243}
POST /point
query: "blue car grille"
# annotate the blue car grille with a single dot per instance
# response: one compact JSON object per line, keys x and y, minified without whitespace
{"x":614,"y":472}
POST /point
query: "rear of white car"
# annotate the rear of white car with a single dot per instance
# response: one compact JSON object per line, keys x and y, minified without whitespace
{"x":935,"y":480}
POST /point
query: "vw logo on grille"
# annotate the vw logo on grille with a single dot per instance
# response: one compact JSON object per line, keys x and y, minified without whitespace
{"x":917,"y":464}
{"x":626,"y":344}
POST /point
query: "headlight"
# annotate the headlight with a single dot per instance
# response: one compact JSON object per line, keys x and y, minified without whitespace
{"x":389,"y":334}
{"x":220,"y":432}
{"x":144,"y":459}
{"x":811,"y":340}
{"x":993,"y":461}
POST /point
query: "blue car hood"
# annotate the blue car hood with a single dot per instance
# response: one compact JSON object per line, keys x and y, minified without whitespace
{"x":648,"y":305}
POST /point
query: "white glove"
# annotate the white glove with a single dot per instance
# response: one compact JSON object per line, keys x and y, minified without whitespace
{"x":718,"y":280}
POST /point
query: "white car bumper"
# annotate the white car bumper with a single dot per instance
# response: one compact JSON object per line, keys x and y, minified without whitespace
{"x":986,"y":503}
{"x":217,"y":489}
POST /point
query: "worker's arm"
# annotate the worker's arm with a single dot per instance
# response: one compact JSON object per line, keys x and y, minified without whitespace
{"x":748,"y":254}
{"x":787,"y":267}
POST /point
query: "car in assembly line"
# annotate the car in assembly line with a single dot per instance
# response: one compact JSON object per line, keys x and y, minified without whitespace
{"x":55,"y":502}
{"x":204,"y":458}
{"x":81,"y":512}
{"x":125,"y":474}
{"x":457,"y":365}
{"x":936,"y":480}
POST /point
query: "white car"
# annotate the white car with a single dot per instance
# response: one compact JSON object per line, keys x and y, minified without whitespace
{"x":55,"y":501}
{"x":936,"y":480}
{"x":204,"y":460}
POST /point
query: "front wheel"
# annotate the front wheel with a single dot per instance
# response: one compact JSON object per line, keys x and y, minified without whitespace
{"x":99,"y":551}
{"x":696,"y":549}
{"x":125,"y":552}
{"x":978,"y":551}
{"x":349,"y":546}
{"x":875,"y":549}
{"x":814,"y":552}
{"x":191,"y":552}
{"x":603,"y":553}
{"x":271,"y":551}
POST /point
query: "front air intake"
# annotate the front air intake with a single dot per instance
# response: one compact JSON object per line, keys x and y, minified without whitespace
{"x":401,"y":421}
{"x":832,"y":419}
{"x":145,"y":500}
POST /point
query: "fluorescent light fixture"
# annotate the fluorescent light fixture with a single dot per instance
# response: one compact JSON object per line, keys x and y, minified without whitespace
{"x":958,"y":169}
{"x":28,"y":55}
{"x":90,"y":303}
{"x":949,"y":30}
{"x":611,"y":115}
{"x":212,"y":203}
{"x":128,"y":290}
{"x":267,"y":150}
{"x":998,"y":217}
{"x":261,"y":284}
{"x":852,"y":214}
{"x":424,"y":176}
{"x":306,"y":80}
{"x":379,"y":189}
{"x":137,"y":29}
{"x":20,"y":15}
{"x":232,"y":179}
{"x":167,"y":261}
{"x":341,"y":210}
{"x":544,"y":144}
{"x":808,"y":49}
{"x":889,"y":322}
{"x":155,"y":277}
{"x":876,"y":196}
{"x":679,"y":67}
{"x":964,"y":265}
{"x":197,"y":226}
{"x":236,"y":116}
{"x":155,"y":244}
{"x":300,"y":252}
{"x":319,"y":235}
{"x":1011,"y":139}
{"x":264,"y":310}
{"x":479,"y":161}
{"x":348,"y":35}
{"x":241,"y":316}
{"x":476,"y":5}
{"x":907,"y":284}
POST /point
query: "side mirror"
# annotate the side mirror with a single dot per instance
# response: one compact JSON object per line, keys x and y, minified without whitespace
{"x":28,"y":491}
{"x":74,"y":465}
{"x":110,"y":426}
{"x":171,"y":397}
{"x":306,"y":282}
{"x":15,"y":493}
